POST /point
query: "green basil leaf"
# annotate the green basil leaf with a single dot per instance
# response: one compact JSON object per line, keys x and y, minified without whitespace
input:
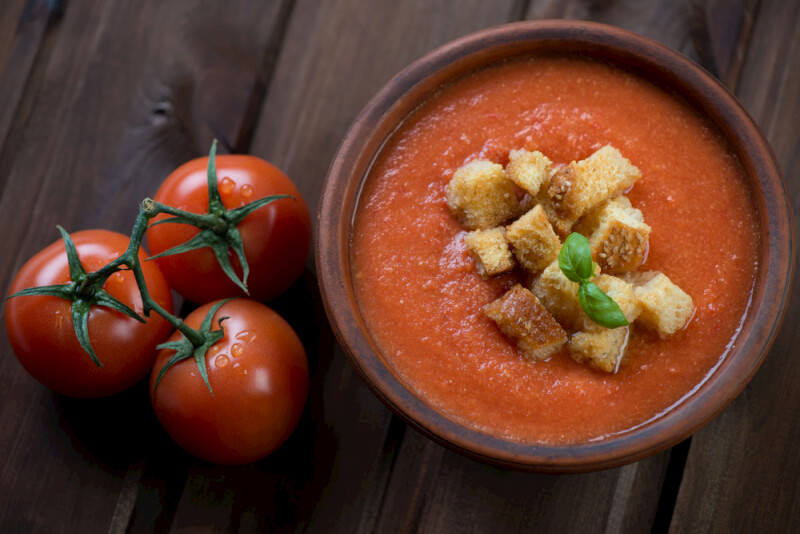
{"x":575,"y":258}
{"x":600,"y":307}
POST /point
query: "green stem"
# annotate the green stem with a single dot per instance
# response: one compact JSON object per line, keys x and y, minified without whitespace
{"x":206,"y":221}
{"x":130,"y":260}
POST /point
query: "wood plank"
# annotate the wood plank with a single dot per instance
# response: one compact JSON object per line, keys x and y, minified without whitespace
{"x":19,"y":49}
{"x":25,"y":53}
{"x":435,"y":490}
{"x":706,"y":31}
{"x":11,"y":13}
{"x":129,"y":91}
{"x":743,"y":470}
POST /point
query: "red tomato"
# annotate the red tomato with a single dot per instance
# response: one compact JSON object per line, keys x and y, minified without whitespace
{"x":259,"y":375}
{"x":42,"y":335}
{"x":276,"y":236}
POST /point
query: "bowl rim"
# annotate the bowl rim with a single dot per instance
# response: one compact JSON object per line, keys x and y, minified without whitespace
{"x":653,"y":61}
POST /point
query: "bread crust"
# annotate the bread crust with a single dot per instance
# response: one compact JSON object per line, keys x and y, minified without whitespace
{"x":520,"y":316}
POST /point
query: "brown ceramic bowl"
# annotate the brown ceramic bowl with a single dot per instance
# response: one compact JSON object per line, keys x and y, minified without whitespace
{"x":635,"y":54}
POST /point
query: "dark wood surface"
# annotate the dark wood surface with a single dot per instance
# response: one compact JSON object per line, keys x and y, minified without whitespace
{"x":100,"y":100}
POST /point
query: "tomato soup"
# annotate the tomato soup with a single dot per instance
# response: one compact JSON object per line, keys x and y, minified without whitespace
{"x":423,"y":299}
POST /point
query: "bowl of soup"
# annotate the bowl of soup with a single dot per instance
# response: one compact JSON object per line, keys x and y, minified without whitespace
{"x":408,"y":305}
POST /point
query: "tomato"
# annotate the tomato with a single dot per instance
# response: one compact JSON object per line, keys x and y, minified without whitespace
{"x":259,"y":376}
{"x":41,"y":332}
{"x":276,"y":237}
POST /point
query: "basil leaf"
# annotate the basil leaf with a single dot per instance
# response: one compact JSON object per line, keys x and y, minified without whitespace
{"x":575,"y":258}
{"x":600,"y":307}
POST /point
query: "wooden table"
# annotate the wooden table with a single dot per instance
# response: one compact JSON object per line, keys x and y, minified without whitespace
{"x":100,"y":100}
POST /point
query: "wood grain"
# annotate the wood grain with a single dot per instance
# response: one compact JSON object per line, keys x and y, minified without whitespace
{"x":99,"y":104}
{"x":434,"y":490}
{"x":668,"y":21}
{"x":743,"y":470}
{"x":19,"y":49}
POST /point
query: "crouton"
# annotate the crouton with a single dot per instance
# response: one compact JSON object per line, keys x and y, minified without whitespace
{"x":666,"y":308}
{"x":559,"y":295}
{"x":602,"y":348}
{"x":480,"y":195}
{"x":529,"y":170}
{"x":521,"y":316}
{"x":489,"y":251}
{"x":580,"y":186}
{"x":560,"y":218}
{"x":617,"y":235}
{"x":533,"y":240}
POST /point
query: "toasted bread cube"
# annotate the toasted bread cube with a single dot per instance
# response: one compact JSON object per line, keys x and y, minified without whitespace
{"x":560,"y":219}
{"x":489,"y":251}
{"x":529,"y":170}
{"x":617,"y":234}
{"x":559,"y":295}
{"x":580,"y":186}
{"x":480,"y":195}
{"x":666,"y":308}
{"x":533,"y":241}
{"x":561,"y":227}
{"x":521,"y":316}
{"x":602,"y":348}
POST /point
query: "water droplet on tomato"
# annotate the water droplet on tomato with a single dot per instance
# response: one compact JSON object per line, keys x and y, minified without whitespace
{"x":245,"y":335}
{"x":59,"y":319}
{"x":247,"y":190}
{"x":240,"y":369}
{"x":214,"y":349}
{"x":226,"y":186}
{"x":236,"y":350}
{"x":221,"y":361}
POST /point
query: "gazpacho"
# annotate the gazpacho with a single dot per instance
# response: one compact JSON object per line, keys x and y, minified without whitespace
{"x":424,"y":298}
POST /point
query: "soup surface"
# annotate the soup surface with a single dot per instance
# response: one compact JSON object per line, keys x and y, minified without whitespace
{"x":423,"y":299}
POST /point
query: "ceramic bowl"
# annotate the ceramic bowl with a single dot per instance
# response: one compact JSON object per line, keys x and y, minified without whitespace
{"x":637,"y":55}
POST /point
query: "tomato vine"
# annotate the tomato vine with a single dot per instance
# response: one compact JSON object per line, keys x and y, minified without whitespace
{"x":218,"y":231}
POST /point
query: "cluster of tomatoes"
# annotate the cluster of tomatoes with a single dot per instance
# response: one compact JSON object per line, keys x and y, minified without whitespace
{"x":238,"y":399}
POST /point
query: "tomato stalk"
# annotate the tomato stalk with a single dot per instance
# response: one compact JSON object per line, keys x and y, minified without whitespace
{"x":217,"y":231}
{"x":89,"y":283}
